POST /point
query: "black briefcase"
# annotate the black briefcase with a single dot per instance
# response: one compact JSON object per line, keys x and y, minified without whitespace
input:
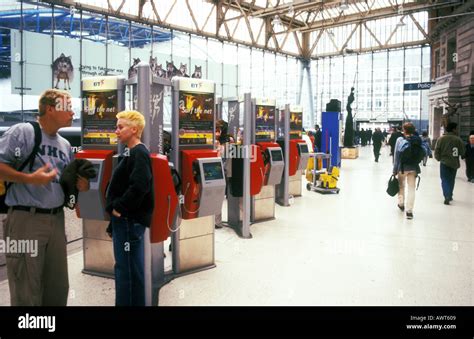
{"x":392,"y":188}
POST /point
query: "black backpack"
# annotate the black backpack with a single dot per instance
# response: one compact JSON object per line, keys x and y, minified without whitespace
{"x":30,"y":160}
{"x":413,"y":154}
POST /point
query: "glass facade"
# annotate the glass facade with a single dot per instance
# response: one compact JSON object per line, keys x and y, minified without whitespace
{"x":378,"y":79}
{"x":98,"y":45}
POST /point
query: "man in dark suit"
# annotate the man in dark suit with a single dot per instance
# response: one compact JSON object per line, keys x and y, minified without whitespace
{"x":317,"y":138}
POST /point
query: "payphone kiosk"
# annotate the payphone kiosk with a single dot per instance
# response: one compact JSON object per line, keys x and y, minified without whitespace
{"x":201,"y":171}
{"x":103,"y":97}
{"x":210,"y":175}
{"x":245,"y":169}
{"x":264,"y":136}
{"x":298,"y":152}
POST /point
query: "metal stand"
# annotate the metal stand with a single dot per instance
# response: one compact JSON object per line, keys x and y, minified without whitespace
{"x":193,"y":242}
{"x":295,"y":182}
{"x":263,"y":205}
{"x":238,"y":208}
{"x":97,"y":249}
{"x":283,"y":189}
{"x":195,"y":245}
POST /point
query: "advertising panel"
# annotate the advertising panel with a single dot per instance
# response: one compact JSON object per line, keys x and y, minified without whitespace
{"x":296,"y":125}
{"x":100,"y":108}
{"x":196,"y":118}
{"x":265,"y":123}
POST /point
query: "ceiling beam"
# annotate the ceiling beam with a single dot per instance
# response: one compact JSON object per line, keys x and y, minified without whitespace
{"x":373,"y":14}
{"x":129,"y":17}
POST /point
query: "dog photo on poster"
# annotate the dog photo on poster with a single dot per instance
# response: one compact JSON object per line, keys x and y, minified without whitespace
{"x":63,"y":71}
{"x":196,"y":117}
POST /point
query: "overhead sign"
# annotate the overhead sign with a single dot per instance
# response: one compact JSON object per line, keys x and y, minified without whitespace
{"x":265,"y":102}
{"x":196,"y":85}
{"x":417,"y":86}
{"x":105,"y":83}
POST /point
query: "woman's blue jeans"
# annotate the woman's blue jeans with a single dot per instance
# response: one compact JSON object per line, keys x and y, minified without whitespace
{"x":129,"y":252}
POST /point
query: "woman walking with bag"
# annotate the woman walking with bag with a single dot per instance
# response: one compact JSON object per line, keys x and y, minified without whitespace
{"x":406,"y":167}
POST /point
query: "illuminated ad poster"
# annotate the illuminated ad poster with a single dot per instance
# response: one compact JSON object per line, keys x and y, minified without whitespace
{"x":296,"y":125}
{"x":265,"y":123}
{"x":196,"y":118}
{"x":99,"y":114}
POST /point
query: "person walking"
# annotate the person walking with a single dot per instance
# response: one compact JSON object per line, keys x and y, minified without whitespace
{"x":363,"y":137}
{"x":318,"y":139}
{"x":369,"y":136}
{"x":130,"y":203}
{"x":377,"y":139}
{"x":406,"y":167}
{"x":469,"y":157}
{"x":393,"y":139}
{"x":448,"y":149}
{"x":427,"y":144}
{"x":36,"y":199}
{"x":384,"y":133}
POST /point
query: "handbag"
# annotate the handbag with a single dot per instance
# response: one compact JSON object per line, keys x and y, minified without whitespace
{"x":392,"y":188}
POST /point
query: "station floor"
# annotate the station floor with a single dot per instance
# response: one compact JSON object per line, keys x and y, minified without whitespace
{"x":351,"y":248}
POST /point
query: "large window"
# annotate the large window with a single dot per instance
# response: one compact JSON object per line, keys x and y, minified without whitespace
{"x":378,"y":79}
{"x":451,"y":55}
{"x":96,"y":45}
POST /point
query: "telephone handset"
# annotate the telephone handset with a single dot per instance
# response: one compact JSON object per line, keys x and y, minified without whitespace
{"x":176,"y":180}
{"x":196,"y":172}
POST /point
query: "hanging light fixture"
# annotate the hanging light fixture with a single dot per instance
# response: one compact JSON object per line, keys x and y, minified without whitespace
{"x":344,"y":5}
{"x":291,"y":10}
{"x":401,"y":23}
{"x":276,"y":21}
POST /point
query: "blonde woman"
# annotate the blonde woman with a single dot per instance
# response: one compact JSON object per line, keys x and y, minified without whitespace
{"x":130,"y":204}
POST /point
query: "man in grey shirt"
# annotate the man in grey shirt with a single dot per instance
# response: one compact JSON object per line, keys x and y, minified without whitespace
{"x":36,"y":202}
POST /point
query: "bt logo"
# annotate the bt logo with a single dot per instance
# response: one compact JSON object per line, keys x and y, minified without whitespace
{"x":98,"y":83}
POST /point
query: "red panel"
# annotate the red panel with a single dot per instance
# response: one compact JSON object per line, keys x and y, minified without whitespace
{"x":98,"y":154}
{"x":263,"y":146}
{"x":190,"y":186}
{"x":257,"y":171}
{"x":294,"y":156}
{"x":166,"y":199}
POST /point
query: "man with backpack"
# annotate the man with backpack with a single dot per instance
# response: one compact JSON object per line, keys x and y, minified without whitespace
{"x":448,"y":149}
{"x":32,"y":158}
{"x":409,"y":152}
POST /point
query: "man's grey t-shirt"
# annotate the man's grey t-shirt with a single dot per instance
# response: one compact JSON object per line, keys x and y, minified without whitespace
{"x":16,"y":145}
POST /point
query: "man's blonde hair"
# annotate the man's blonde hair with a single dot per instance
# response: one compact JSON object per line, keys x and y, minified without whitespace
{"x":135,"y":119}
{"x":50,"y":98}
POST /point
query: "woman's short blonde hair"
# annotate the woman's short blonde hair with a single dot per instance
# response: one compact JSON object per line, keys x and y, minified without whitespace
{"x":135,"y":119}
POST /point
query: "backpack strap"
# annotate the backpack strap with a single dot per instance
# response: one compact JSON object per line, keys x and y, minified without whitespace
{"x":38,"y":138}
{"x":31,"y":158}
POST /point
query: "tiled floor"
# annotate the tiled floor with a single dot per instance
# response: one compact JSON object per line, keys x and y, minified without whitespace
{"x":354,"y":248}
